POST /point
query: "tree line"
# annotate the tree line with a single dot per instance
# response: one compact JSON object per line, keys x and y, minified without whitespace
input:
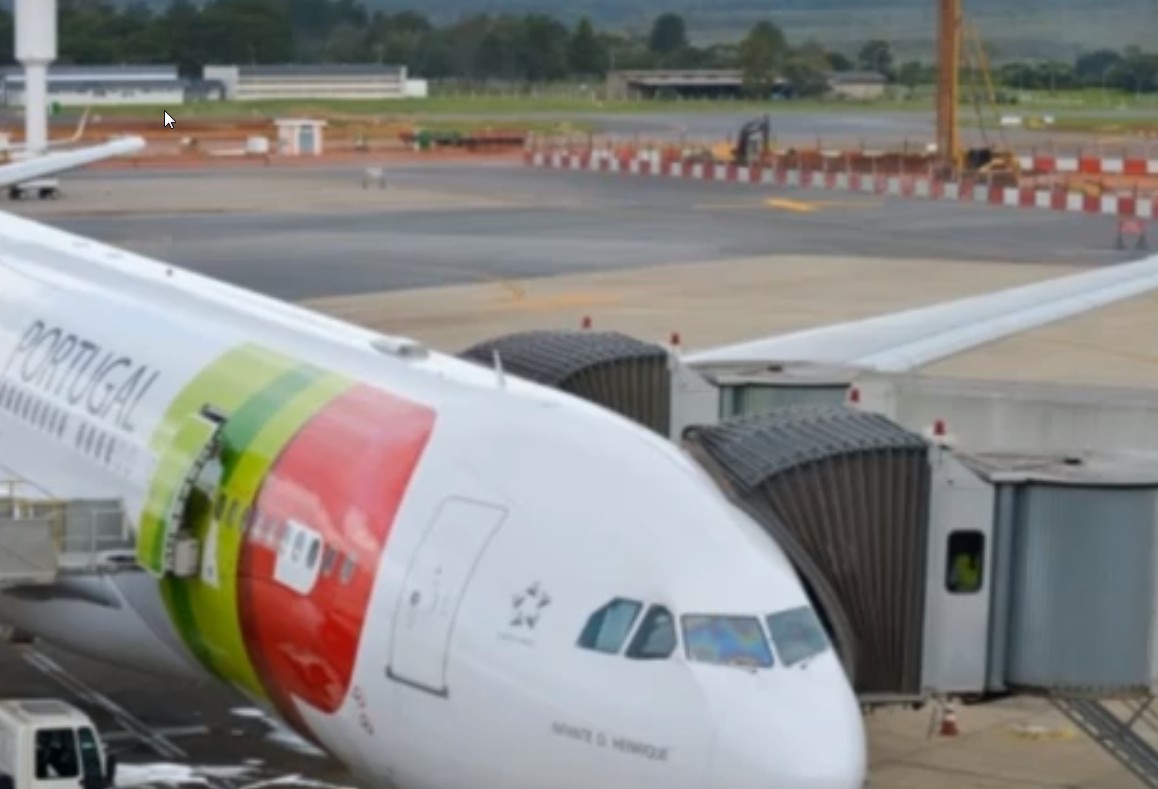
{"x":524,"y":48}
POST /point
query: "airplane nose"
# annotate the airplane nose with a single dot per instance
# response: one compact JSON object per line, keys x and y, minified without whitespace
{"x":797,"y":731}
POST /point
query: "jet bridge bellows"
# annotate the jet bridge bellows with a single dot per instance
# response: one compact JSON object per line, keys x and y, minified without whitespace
{"x":844,"y":493}
{"x":623,"y":374}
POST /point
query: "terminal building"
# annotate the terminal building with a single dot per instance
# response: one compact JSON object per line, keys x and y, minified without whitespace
{"x":263,"y":83}
{"x":729,"y":84}
{"x":83,"y":86}
{"x":161,"y":85}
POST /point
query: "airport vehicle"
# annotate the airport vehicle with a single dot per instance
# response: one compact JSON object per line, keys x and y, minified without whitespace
{"x":753,"y":142}
{"x":443,"y":575}
{"x":48,"y":744}
{"x":752,"y":146}
{"x":44,"y":188}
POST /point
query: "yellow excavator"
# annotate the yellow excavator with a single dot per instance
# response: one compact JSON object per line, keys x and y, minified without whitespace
{"x":753,"y":144}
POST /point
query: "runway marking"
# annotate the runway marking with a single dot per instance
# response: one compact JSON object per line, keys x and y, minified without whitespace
{"x":516,"y":291}
{"x":563,"y":300}
{"x":1038,"y":733}
{"x":792,"y":206}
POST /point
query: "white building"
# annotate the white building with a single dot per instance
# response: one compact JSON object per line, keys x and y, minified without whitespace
{"x":82,"y":86}
{"x":262,"y":83}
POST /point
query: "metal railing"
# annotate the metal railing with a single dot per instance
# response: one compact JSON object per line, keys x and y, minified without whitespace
{"x":84,"y":532}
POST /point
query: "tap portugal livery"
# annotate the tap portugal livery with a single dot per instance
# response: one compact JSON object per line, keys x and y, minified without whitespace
{"x":441,"y":576}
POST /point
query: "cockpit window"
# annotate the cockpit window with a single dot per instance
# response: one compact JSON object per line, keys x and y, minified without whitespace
{"x":798,"y":635}
{"x":609,"y":627}
{"x":726,"y":641}
{"x":656,"y":637}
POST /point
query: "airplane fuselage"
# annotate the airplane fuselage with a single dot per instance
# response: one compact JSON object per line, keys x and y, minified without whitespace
{"x":402,"y":554}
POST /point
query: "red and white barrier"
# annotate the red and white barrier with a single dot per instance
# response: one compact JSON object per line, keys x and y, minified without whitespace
{"x":1089,"y":165}
{"x":921,"y":187}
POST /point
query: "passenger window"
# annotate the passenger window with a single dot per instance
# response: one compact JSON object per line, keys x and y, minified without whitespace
{"x":56,"y":755}
{"x":608,"y":628}
{"x":797,"y":634}
{"x":348,"y":570}
{"x":966,"y":561}
{"x":281,"y":536}
{"x":329,"y":559}
{"x":315,"y":549}
{"x":656,"y":637}
{"x":726,"y":641}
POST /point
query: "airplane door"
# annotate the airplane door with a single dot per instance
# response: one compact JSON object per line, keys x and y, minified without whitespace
{"x":190,"y":472}
{"x":433,"y":589}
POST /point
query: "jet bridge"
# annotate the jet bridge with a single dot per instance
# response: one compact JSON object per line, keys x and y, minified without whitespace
{"x":42,"y":539}
{"x":845,"y":494}
{"x":619,"y":372}
{"x":877,"y":514}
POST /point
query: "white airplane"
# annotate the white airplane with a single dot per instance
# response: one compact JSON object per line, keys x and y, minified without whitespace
{"x":20,"y":149}
{"x":443,"y":576}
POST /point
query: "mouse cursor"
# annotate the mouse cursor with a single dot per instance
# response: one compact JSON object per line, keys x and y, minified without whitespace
{"x":169,"y":121}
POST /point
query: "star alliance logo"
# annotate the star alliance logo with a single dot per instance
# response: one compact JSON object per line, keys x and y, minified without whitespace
{"x":527,"y":606}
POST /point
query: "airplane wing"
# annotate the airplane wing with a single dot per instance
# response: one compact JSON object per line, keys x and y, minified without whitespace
{"x":50,"y":164}
{"x":905,"y":340}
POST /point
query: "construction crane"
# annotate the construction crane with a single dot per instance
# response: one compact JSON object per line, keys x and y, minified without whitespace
{"x":948,"y":82}
{"x":978,"y":161}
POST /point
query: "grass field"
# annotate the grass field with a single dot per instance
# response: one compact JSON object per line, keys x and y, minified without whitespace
{"x":508,"y":107}
{"x":487,"y":106}
{"x":1097,"y":124}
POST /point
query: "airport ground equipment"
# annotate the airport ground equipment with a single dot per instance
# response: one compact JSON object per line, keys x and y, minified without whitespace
{"x":42,"y":539}
{"x":753,"y":146}
{"x":48,"y":744}
{"x":753,"y":143}
{"x":43,"y":188}
{"x":938,"y":570}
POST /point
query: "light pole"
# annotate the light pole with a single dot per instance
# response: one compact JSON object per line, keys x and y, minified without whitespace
{"x":35,"y":49}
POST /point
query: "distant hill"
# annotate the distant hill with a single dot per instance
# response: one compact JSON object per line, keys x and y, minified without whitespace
{"x":1015,"y":28}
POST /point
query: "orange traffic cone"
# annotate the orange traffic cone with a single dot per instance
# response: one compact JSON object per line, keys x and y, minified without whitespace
{"x":949,"y":721}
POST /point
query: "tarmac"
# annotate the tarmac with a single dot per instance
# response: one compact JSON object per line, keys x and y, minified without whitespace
{"x":454,"y":255}
{"x":839,"y":128}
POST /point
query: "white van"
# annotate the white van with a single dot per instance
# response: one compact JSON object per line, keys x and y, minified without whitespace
{"x":48,"y":744}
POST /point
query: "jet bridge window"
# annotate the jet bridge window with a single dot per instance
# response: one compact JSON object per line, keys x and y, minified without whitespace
{"x":797,"y":634}
{"x":726,"y":641}
{"x":964,"y":573}
{"x":56,"y":755}
{"x":656,"y":637}
{"x":608,"y":628}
